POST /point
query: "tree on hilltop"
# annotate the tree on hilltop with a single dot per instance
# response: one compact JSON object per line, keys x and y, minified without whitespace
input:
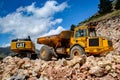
{"x":117,"y":5}
{"x":72,"y":27}
{"x":105,"y":6}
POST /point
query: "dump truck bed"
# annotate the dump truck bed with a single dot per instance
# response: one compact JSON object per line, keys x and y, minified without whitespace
{"x":55,"y":41}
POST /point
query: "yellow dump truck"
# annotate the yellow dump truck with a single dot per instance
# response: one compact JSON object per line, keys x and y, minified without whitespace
{"x":83,"y":40}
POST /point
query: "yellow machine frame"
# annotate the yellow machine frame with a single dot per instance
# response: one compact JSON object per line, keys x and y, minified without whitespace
{"x":25,"y":46}
{"x":104,"y":44}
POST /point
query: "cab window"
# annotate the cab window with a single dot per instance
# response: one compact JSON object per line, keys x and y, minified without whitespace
{"x":80,"y":33}
{"x":92,"y":32}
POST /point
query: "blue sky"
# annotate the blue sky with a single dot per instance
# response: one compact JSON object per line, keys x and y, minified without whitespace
{"x":20,"y":18}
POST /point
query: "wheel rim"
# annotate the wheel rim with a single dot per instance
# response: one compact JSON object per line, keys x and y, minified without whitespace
{"x":43,"y":54}
{"x":76,"y":53}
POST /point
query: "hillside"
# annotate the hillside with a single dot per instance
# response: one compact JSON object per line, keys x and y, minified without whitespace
{"x":97,"y":17}
{"x":4,"y":51}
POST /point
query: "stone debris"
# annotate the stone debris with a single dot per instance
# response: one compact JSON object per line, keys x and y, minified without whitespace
{"x":104,"y":67}
{"x":93,"y":68}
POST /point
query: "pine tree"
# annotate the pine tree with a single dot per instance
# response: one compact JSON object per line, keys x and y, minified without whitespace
{"x":117,"y":5}
{"x":105,"y":6}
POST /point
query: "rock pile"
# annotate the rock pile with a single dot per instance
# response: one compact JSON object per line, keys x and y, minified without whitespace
{"x":108,"y":67}
{"x":105,"y":67}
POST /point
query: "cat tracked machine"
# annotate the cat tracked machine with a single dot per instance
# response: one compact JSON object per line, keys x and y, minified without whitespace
{"x":23,"y":47}
{"x":82,"y":40}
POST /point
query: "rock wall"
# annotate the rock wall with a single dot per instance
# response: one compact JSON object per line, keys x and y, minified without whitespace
{"x":106,"y":67}
{"x":110,"y":28}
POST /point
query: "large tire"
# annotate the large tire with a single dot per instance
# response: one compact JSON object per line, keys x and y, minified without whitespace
{"x":76,"y":51}
{"x":28,"y":55}
{"x":45,"y":53}
{"x":22,"y":54}
{"x":34,"y":56}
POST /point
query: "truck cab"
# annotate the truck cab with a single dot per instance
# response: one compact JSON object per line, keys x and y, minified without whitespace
{"x":86,"y":38}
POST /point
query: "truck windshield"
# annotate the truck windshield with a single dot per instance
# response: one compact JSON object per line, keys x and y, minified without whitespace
{"x":80,"y":33}
{"x":92,"y":32}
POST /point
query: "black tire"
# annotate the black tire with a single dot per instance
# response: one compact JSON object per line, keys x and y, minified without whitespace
{"x":34,"y":56}
{"x":76,"y":51}
{"x":45,"y":53}
{"x":22,"y":55}
{"x":28,"y":55}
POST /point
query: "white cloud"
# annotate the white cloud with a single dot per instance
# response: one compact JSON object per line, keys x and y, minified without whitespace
{"x":49,"y":9}
{"x":5,"y":45}
{"x":54,"y":31}
{"x":32,"y":20}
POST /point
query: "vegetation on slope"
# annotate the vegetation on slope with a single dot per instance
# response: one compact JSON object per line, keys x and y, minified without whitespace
{"x":112,"y":9}
{"x":96,"y":18}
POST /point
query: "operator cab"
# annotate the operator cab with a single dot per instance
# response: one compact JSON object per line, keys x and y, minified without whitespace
{"x":85,"y":31}
{"x":80,"y":33}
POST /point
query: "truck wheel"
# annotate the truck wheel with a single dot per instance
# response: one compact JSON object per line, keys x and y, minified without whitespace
{"x":45,"y":53}
{"x":76,"y":51}
{"x":34,"y":56}
{"x":28,"y":55}
{"x":22,"y":55}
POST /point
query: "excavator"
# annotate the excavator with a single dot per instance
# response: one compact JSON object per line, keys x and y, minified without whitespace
{"x":24,"y":47}
{"x":68,"y":44}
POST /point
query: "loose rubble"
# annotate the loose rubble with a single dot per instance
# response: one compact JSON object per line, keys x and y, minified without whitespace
{"x":14,"y":68}
{"x":104,"y":67}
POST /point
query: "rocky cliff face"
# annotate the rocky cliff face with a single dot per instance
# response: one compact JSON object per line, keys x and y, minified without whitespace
{"x":110,"y":28}
{"x":105,"y":67}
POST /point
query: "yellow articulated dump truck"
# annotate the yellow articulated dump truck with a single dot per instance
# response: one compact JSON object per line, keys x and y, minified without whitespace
{"x":83,"y":40}
{"x":23,"y":47}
